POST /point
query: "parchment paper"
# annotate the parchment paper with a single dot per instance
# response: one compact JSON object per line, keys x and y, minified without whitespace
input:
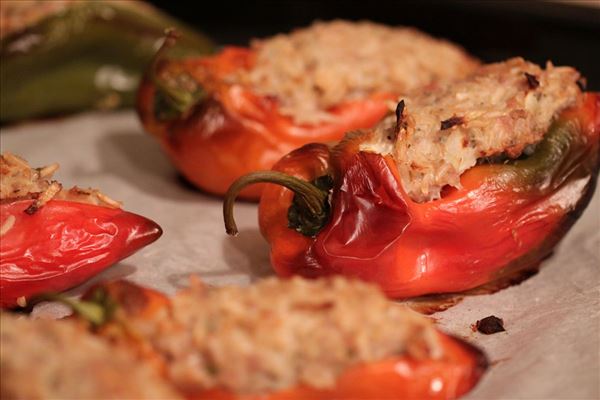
{"x":551,"y":349}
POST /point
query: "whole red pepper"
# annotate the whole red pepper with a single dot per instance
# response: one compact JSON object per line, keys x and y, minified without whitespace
{"x":504,"y":219}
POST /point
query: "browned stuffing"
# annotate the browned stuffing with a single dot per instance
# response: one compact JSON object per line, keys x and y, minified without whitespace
{"x":499,"y":109}
{"x":313,"y":69}
{"x":280,"y":333}
{"x":20,"y":181}
{"x":450,"y":122}
{"x":532,"y":81}
{"x":46,"y":359}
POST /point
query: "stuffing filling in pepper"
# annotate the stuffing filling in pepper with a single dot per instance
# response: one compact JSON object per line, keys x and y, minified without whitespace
{"x":311,"y":70}
{"x":20,"y":181}
{"x":500,"y":109}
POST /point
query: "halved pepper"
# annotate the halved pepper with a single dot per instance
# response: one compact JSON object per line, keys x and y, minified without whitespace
{"x":351,"y":216}
{"x":64,"y":244}
{"x":52,"y":240}
{"x":214,"y":131}
{"x":111,"y":307}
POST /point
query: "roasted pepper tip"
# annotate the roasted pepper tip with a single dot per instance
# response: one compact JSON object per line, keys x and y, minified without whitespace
{"x":310,"y":206}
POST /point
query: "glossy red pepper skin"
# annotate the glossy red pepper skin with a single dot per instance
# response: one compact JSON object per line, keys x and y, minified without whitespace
{"x":504,"y":219}
{"x":63,"y":244}
{"x":234,"y":131}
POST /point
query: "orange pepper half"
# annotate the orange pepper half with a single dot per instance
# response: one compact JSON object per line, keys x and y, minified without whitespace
{"x":230,"y":130}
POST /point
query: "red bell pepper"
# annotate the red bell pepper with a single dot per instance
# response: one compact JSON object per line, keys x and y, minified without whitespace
{"x":351,"y":216}
{"x":116,"y":308}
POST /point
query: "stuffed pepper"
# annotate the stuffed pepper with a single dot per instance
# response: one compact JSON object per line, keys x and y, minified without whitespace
{"x":221,"y":116}
{"x":458,"y":187}
{"x":65,"y":56}
{"x":53,"y":239}
{"x":283,"y":339}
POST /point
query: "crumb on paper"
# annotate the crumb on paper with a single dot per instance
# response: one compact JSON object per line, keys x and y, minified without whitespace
{"x":489,"y":325}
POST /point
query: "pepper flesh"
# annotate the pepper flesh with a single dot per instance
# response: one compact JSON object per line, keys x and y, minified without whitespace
{"x":233,"y":131}
{"x":448,"y":377}
{"x":90,"y":55}
{"x":506,"y":217}
{"x":63,"y":244}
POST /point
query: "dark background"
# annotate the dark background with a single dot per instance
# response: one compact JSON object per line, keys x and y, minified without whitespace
{"x":491,"y":30}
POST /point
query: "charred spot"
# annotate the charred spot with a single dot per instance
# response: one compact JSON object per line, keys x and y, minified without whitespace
{"x":581,"y":83}
{"x":132,"y":298}
{"x":490,"y":325}
{"x":399,"y":117}
{"x":327,"y":305}
{"x":270,"y":98}
{"x":32,"y":209}
{"x":450,"y":122}
{"x":532,"y":81}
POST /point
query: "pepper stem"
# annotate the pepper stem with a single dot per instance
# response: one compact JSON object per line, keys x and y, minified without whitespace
{"x":309,"y":196}
{"x":94,"y":312}
{"x":177,"y":100}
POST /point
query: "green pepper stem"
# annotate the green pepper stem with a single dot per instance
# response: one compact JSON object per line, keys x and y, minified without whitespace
{"x":181,"y":100}
{"x":310,"y":196}
{"x":94,"y":313}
